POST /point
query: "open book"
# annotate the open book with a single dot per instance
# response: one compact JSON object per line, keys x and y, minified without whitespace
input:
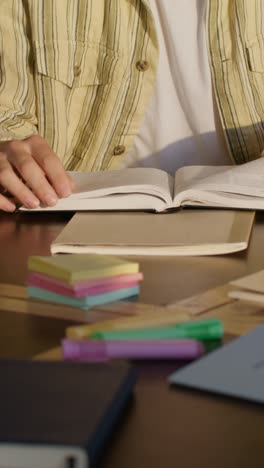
{"x":239,"y":187}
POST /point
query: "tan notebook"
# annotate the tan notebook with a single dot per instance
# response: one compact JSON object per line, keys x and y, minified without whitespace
{"x":185,"y":232}
{"x":152,"y":189}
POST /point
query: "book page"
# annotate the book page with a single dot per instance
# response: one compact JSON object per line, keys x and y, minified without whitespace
{"x":246,"y":179}
{"x":114,"y":202}
{"x":126,"y":189}
{"x":135,"y":180}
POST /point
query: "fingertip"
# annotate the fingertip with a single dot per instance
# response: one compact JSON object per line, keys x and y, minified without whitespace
{"x":9,"y":207}
{"x":64,"y":190}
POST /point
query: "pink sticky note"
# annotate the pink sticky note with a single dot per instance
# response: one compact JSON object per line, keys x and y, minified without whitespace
{"x":91,"y":288}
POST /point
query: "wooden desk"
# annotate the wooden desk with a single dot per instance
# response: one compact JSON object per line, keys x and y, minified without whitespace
{"x":164,"y":427}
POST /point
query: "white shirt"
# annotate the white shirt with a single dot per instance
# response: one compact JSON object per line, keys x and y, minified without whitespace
{"x":181,"y":125}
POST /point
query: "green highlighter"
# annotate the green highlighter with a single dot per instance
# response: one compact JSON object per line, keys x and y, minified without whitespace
{"x":202,"y":330}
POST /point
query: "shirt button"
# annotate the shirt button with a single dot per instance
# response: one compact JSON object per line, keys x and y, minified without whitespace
{"x":142,"y":65}
{"x":77,"y":70}
{"x":119,"y":150}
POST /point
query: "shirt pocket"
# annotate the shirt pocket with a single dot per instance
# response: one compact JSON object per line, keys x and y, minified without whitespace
{"x":255,"y":55}
{"x":77,"y":64}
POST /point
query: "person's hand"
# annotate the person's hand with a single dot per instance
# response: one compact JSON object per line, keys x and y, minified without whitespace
{"x":31,"y":173}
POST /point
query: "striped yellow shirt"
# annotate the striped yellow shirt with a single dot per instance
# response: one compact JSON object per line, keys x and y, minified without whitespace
{"x":81,"y":73}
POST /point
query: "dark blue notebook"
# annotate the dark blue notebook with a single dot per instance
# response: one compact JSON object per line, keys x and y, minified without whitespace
{"x":57,"y":414}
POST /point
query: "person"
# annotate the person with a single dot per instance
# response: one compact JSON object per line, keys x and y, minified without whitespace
{"x":99,"y":85}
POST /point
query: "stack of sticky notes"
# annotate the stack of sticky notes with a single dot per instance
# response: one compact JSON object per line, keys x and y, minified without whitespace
{"x":82,"y":280}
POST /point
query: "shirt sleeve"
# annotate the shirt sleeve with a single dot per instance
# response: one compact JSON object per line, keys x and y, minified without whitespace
{"x":17,"y":91}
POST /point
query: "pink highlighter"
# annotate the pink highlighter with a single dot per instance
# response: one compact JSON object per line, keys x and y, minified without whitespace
{"x":99,"y":350}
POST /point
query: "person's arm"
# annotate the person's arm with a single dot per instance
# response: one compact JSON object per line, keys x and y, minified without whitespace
{"x":27,"y":163}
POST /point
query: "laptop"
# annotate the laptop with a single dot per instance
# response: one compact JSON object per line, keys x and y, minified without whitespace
{"x":236,"y":369}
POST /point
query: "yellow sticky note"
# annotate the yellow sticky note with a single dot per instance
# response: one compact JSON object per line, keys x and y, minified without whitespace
{"x":77,"y":267}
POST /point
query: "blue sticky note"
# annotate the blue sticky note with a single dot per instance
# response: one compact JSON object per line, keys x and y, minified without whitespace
{"x":85,"y":302}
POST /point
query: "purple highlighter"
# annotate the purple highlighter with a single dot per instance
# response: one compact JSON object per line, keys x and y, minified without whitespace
{"x":99,"y":350}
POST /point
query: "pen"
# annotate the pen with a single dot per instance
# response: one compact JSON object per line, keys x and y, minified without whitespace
{"x":145,"y":320}
{"x":203,"y":330}
{"x":94,"y":350}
